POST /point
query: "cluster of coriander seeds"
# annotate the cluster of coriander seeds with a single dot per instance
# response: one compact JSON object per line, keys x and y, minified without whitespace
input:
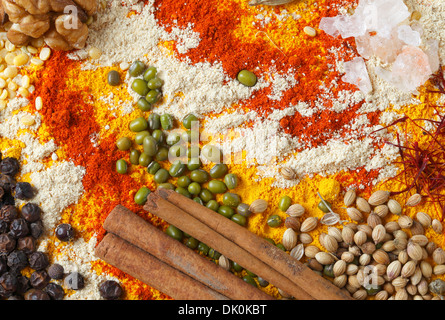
{"x":386,"y":260}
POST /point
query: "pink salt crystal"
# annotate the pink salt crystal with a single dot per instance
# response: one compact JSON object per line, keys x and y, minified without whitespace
{"x":357,"y":74}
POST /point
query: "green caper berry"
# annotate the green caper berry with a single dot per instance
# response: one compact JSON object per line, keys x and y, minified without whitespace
{"x":214,"y":254}
{"x":192,"y":243}
{"x":134,"y":156}
{"x":153,"y":167}
{"x":194,"y":188}
{"x":186,"y":136}
{"x":138,"y":124}
{"x":188,"y":119}
{"x":166,"y":185}
{"x":226,"y":211}
{"x":250,"y":280}
{"x":183,"y":181}
{"x":372,"y":290}
{"x":198,"y":200}
{"x":231,"y":180}
{"x":121,"y":166}
{"x":243,"y":209}
{"x":177,"y":169}
{"x":206,"y":195}
{"x":192,"y":152}
{"x":140,"y":87}
{"x":231,"y":199}
{"x":328,"y":270}
{"x":323,"y":207}
{"x":236,"y":267}
{"x":154,"y":121}
{"x":193,"y":164}
{"x":212,"y":153}
{"x":155,"y":83}
{"x":144,"y":159}
{"x":150,"y":146}
{"x":174,"y":232}
{"x":153,"y":96}
{"x":141,"y":195}
{"x":203,"y":248}
{"x":217,"y":186}
{"x":136,"y":68}
{"x":139,"y":137}
{"x":247,"y":78}
{"x":284,"y":203}
{"x":274,"y":221}
{"x":239,"y":219}
{"x":123,"y":143}
{"x":158,"y":135}
{"x":167,"y":121}
{"x":150,"y":73}
{"x":113,"y":78}
{"x":177,"y":151}
{"x":213,"y":205}
{"x":183,"y":191}
{"x":250,"y":273}
{"x":218,"y":170}
{"x":281,"y":246}
{"x":143,"y":104}
{"x":173,"y":138}
{"x":262,"y":283}
{"x":271,"y":241}
{"x":162,"y":154}
{"x":199,"y":175}
{"x":161,"y":176}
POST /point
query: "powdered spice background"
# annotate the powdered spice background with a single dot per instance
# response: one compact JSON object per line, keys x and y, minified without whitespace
{"x":85,"y":130}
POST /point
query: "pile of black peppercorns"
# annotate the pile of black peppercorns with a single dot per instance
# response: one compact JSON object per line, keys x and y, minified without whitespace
{"x":19,"y":231}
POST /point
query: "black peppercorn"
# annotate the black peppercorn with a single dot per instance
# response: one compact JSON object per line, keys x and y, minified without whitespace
{"x":23,"y":285}
{"x":36,"y":294}
{"x":2,"y":192}
{"x":64,"y":232}
{"x":39,"y":279}
{"x":8,"y":281}
{"x":31,"y":212}
{"x":18,"y":228}
{"x":24,"y":191}
{"x":55,"y":291}
{"x":4,"y":226}
{"x":8,"y":213}
{"x":26,"y":244}
{"x":7,"y":243}
{"x":9,"y":166}
{"x":38,"y":260}
{"x":17,"y":260}
{"x":36,"y":229}
{"x":56,"y":271}
{"x":3,"y":265}
{"x":110,"y":290}
{"x":74,"y":281}
{"x":7,"y":183}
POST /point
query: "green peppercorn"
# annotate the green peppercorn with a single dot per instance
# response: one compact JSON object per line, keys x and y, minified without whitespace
{"x":155,"y":83}
{"x":239,"y":219}
{"x":161,"y":176}
{"x":141,"y":195}
{"x":226,"y":211}
{"x":250,"y":280}
{"x":121,"y":166}
{"x":194,"y":188}
{"x":123,"y":143}
{"x":231,"y":199}
{"x":150,"y":73}
{"x":174,"y":232}
{"x":206,"y":195}
{"x":167,"y":121}
{"x":243,"y":209}
{"x":177,"y":169}
{"x":193,"y":164}
{"x":134,"y":156}
{"x":217,"y":186}
{"x":323,"y":207}
{"x":140,"y":87}
{"x":198,"y":200}
{"x":139,"y":137}
{"x":183,"y":181}
{"x":113,"y":78}
{"x":153,"y":96}
{"x":162,"y":154}
{"x":138,"y":124}
{"x":166,"y":185}
{"x":158,"y":135}
{"x":218,"y":170}
{"x":231,"y":180}
{"x":247,"y":78}
{"x":150,"y":146}
{"x":261,"y":282}
{"x":236,"y":267}
{"x":136,"y":68}
{"x":143,"y":104}
{"x":199,"y":175}
{"x":284,"y":203}
{"x":153,"y":167}
{"x":188,"y":119}
{"x":192,"y":243}
{"x":213,"y":205}
{"x":203,"y":248}
{"x":183,"y":191}
{"x":154,"y":121}
{"x":274,"y":221}
{"x":144,"y":159}
{"x":214,"y":254}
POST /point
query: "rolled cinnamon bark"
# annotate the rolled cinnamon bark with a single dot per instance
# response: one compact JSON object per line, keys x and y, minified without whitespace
{"x":181,"y":219}
{"x":148,"y":269}
{"x":316,"y":286}
{"x":137,"y":231}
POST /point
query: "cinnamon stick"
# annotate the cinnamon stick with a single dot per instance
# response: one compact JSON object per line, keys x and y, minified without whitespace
{"x":181,"y":219}
{"x":148,"y":269}
{"x":316,"y":286}
{"x":137,"y":231}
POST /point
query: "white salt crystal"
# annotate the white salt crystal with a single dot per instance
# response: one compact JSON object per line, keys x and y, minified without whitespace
{"x":432,"y":51}
{"x":409,"y":36}
{"x":357,"y":74}
{"x":327,"y":24}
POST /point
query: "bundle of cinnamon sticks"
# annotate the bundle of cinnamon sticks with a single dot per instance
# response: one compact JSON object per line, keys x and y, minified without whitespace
{"x":223,"y":235}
